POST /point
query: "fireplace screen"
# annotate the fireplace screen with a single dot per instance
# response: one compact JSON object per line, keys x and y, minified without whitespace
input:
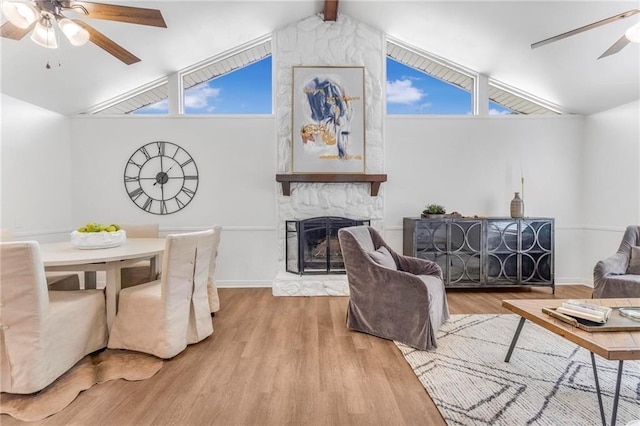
{"x":312,"y":245}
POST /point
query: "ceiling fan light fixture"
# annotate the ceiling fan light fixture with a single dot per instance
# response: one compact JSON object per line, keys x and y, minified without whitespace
{"x":633,"y":33}
{"x":22,"y":15}
{"x":44,"y":34}
{"x":77,"y":35}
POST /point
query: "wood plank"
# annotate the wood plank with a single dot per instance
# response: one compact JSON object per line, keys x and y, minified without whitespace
{"x":282,"y":360}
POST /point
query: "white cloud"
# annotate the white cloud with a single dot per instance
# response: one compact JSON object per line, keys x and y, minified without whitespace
{"x":198,"y":96}
{"x":425,"y":106}
{"x":162,"y":105}
{"x":403,"y":92}
{"x":493,"y":111}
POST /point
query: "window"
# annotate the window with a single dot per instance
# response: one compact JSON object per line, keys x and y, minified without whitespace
{"x":502,"y":101}
{"x":237,"y":83}
{"x":152,"y":100}
{"x":420,"y":85}
{"x":160,"y":107}
{"x":243,"y":91}
{"x":497,"y":109}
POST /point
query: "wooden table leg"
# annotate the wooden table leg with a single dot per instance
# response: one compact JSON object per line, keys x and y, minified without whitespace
{"x":112,"y":290}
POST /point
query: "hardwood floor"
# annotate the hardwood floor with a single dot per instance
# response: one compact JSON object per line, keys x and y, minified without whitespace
{"x":282,"y":360}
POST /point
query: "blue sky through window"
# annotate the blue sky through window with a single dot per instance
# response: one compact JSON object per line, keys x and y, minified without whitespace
{"x":243,"y":91}
{"x":410,"y":91}
{"x":497,"y":109}
{"x":249,"y":91}
{"x":161,"y":107}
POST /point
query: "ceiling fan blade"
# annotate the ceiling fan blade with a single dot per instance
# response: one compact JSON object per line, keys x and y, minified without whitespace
{"x":586,"y":27}
{"x":111,"y":12}
{"x":104,"y":42}
{"x":8,"y":30}
{"x":616,"y":47}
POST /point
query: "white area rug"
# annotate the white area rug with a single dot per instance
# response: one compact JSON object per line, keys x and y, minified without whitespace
{"x":548,"y":381}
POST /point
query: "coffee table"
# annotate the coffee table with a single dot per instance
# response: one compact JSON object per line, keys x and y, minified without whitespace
{"x":611,"y":345}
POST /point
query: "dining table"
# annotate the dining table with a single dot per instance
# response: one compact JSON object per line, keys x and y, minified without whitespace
{"x":63,"y":256}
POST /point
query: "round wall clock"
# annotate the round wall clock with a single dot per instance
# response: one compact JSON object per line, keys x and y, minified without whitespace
{"x":161,"y":178}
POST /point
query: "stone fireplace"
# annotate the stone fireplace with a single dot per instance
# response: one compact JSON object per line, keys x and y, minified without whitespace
{"x":345,"y":42}
{"x":312,"y":246}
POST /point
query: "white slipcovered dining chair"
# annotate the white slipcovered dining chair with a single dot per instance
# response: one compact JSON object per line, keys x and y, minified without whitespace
{"x":162,"y":317}
{"x":55,"y":280}
{"x":42,"y":333}
{"x":140,"y":272}
{"x":212,"y":290}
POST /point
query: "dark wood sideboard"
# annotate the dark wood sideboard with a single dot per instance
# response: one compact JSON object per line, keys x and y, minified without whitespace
{"x":485,"y":252}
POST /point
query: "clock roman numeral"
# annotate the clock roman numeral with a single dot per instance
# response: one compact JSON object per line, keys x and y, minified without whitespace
{"x":188,"y":192}
{"x":190,"y":160}
{"x":135,"y":164}
{"x":163,"y":207}
{"x":131,"y":178}
{"x":191,"y":177}
{"x":176,"y":153}
{"x":144,"y":151}
{"x":179,"y":203}
{"x":147,"y":205}
{"x":161,"y":147}
{"x":135,"y":193}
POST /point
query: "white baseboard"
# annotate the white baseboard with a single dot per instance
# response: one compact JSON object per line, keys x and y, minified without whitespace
{"x":573,"y":281}
{"x":244,"y":283}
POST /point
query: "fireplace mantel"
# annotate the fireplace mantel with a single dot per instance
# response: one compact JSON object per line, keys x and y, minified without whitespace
{"x":286,"y":179}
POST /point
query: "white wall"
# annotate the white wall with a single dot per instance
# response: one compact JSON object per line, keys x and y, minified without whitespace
{"x":236,"y":164}
{"x":36,"y":171}
{"x":572,"y":167}
{"x":473,"y":165}
{"x":58,"y":173}
{"x":611,"y":181}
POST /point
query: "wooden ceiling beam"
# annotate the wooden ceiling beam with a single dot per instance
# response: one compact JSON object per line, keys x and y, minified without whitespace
{"x":330,"y":10}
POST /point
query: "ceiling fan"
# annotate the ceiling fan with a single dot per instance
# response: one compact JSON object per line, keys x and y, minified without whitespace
{"x":39,"y":16}
{"x":631,"y":35}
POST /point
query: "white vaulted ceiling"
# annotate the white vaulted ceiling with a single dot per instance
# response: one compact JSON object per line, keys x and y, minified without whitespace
{"x":492,"y":38}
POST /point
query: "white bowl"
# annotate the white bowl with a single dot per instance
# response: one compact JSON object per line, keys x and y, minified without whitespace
{"x":98,"y":240}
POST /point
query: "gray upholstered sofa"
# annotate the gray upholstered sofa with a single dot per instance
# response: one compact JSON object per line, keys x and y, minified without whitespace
{"x":391,"y":296}
{"x":619,"y":275}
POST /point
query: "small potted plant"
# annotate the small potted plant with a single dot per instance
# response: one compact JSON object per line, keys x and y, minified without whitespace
{"x":434,"y":210}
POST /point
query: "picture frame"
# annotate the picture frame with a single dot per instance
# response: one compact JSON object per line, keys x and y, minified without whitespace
{"x":328,"y":119}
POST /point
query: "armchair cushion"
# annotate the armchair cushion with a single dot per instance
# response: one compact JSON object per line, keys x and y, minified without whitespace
{"x":383,"y":257}
{"x":634,"y":261}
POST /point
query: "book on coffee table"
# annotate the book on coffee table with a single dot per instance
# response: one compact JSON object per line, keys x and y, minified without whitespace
{"x":619,"y":319}
{"x":586,"y":311}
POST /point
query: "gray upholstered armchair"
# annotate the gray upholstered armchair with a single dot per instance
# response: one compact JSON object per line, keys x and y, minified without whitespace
{"x":619,"y":275}
{"x":391,"y":296}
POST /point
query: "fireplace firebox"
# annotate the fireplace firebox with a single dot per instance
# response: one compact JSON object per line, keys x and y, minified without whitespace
{"x":312,"y":245}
